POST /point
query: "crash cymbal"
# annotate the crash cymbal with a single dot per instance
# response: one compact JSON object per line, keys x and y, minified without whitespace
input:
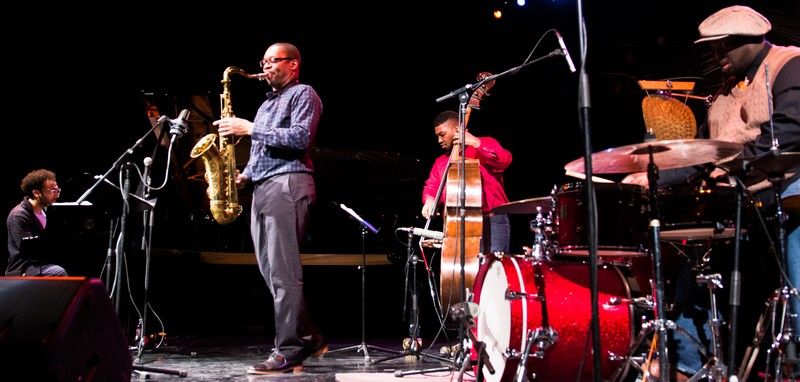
{"x":666,"y":155}
{"x":525,"y":206}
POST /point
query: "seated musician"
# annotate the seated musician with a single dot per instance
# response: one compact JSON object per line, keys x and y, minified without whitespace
{"x":740,"y":114}
{"x":27,"y":224}
{"x":493,"y":160}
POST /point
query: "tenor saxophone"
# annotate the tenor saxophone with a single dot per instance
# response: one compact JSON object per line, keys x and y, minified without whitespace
{"x":219,"y":159}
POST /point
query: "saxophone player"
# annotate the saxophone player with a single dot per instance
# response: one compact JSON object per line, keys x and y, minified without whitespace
{"x":280,"y":170}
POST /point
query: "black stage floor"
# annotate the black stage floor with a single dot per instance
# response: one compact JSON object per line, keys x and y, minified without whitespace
{"x":227,"y":359}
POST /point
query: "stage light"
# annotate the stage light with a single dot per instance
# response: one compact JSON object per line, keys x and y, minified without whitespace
{"x":521,"y":3}
{"x":498,"y":14}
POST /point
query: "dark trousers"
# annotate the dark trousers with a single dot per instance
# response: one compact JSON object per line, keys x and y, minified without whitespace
{"x":279,"y":215}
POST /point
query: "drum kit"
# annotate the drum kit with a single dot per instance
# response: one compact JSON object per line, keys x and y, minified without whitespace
{"x":535,"y":306}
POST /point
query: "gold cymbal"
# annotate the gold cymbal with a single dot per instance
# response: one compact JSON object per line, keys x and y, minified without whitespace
{"x":666,"y":155}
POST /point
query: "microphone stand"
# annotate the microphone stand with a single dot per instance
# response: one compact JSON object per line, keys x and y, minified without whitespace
{"x":463,"y":94}
{"x":363,"y":347}
{"x":584,"y":114}
{"x":126,"y":195}
{"x":125,"y":191}
{"x":469,"y":88}
{"x":661,"y":323}
{"x":147,"y":235}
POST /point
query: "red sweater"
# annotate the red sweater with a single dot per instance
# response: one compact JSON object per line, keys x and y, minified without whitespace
{"x":493,"y":159}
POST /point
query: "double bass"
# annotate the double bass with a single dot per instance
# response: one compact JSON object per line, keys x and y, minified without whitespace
{"x":461,"y":238}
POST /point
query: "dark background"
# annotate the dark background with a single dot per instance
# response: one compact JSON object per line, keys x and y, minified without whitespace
{"x":76,"y":86}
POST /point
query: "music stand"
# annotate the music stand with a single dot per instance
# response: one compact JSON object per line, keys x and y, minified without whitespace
{"x":363,"y":347}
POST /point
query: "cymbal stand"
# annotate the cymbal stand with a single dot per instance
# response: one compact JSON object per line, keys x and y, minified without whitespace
{"x":781,"y":299}
{"x":659,"y":326}
{"x":363,"y":347}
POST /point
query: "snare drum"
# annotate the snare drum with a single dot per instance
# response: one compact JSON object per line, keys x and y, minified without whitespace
{"x":697,"y":213}
{"x":621,"y":220}
{"x":515,"y":294}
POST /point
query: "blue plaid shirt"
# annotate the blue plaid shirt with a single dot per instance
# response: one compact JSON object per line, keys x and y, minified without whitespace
{"x":283,"y":133}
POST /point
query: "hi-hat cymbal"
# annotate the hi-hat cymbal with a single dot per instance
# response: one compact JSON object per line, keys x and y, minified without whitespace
{"x":525,"y":206}
{"x":666,"y":155}
{"x":779,"y":162}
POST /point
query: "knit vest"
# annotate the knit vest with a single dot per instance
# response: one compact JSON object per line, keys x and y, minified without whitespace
{"x":737,"y":115}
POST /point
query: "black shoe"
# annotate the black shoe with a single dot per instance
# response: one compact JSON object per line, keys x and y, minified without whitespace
{"x":276,"y":363}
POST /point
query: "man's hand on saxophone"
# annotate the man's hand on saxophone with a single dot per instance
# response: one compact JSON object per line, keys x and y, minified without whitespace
{"x":241,"y":180}
{"x":234,"y":126}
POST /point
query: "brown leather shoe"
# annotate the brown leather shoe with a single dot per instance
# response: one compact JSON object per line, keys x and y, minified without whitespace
{"x":276,"y":363}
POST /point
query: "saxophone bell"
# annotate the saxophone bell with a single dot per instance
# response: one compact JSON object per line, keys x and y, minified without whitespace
{"x":219,"y":158}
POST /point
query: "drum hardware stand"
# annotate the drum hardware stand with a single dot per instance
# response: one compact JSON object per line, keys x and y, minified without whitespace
{"x":776,"y":310}
{"x":543,"y":338}
{"x":363,"y":347}
{"x":540,"y":250}
{"x":648,"y":327}
{"x":714,"y":369}
{"x":782,"y":325}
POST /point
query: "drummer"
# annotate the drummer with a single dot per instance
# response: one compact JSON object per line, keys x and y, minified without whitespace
{"x":740,"y":114}
{"x":493,"y":159}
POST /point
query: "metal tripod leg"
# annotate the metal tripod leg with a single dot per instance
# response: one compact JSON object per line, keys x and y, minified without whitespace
{"x":650,"y":327}
{"x":714,"y":369}
{"x":780,"y":339}
{"x":413,"y":347}
{"x":363,"y":347}
{"x":782,"y":331}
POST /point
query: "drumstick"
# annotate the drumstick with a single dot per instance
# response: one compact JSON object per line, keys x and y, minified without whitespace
{"x":595,"y":179}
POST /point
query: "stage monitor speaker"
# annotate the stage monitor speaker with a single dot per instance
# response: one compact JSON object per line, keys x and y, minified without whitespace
{"x":60,"y":329}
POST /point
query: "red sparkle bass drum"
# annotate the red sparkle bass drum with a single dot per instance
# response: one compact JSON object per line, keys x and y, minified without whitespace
{"x":517,"y":294}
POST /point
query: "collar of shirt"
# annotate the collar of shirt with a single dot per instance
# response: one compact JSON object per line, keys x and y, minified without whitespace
{"x":274,"y":94}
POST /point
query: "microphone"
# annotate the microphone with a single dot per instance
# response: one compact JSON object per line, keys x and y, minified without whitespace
{"x":179,"y":125}
{"x":147,"y":162}
{"x":426,"y":233}
{"x":565,"y":52}
{"x":146,"y":178}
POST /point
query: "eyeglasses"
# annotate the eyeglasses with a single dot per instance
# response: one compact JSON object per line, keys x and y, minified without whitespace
{"x":273,"y":60}
{"x":56,"y":190}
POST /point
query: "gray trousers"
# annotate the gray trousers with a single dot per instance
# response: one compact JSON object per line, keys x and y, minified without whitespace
{"x":278,"y":219}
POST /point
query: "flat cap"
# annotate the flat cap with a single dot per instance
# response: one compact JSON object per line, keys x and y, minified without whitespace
{"x":737,"y":20}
